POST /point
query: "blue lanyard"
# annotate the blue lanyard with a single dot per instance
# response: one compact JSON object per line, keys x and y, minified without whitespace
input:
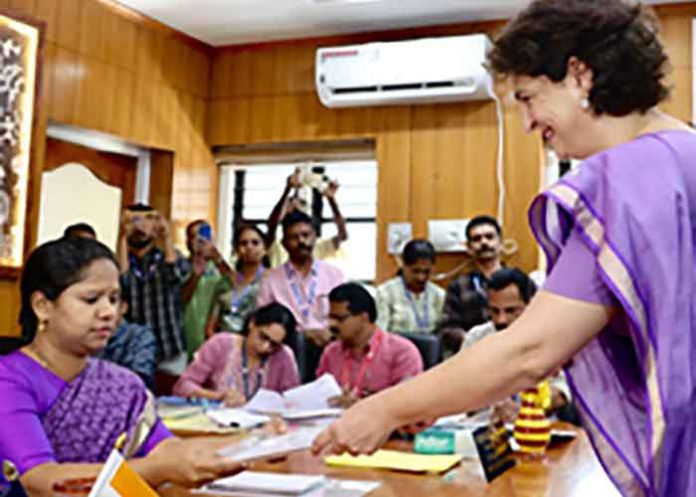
{"x":151,"y":268}
{"x":237,"y":297}
{"x":423,"y":324}
{"x":305,"y":306}
{"x":478,"y":287}
{"x":248,"y":394}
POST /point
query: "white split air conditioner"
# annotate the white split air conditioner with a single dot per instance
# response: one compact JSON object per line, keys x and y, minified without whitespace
{"x":428,"y":70}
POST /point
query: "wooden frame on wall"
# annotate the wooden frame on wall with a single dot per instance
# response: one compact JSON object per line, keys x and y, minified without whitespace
{"x":21,"y":43}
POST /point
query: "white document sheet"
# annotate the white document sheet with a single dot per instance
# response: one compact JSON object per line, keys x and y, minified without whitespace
{"x":265,"y":446}
{"x":330,"y":487}
{"x":313,"y":395}
{"x":268,"y":483}
{"x":303,"y":402}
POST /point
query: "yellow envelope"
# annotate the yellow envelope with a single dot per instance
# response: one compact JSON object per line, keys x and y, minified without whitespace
{"x":399,"y":461}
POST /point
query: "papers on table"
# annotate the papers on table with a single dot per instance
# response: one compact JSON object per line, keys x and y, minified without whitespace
{"x":265,"y":446}
{"x":306,"y":401}
{"x":259,"y":484}
{"x":268,"y":483}
{"x":400,"y":461}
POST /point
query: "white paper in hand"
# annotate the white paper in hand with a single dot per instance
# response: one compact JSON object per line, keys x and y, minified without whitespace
{"x":261,"y":447}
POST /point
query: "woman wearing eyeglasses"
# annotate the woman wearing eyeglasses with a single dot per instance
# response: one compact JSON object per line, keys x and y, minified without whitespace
{"x":232,"y":368}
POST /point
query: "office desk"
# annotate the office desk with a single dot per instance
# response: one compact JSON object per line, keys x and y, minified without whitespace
{"x":570,"y":470}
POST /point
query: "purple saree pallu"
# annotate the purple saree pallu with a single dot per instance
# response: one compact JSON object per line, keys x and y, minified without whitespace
{"x":96,"y":408}
{"x":634,"y":206}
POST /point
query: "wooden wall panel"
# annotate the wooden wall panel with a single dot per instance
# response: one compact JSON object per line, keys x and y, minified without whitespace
{"x":439,"y":158}
{"x":109,"y":70}
{"x":435,"y":161}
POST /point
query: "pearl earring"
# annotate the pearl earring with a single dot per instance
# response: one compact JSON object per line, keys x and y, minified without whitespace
{"x":584,"y":104}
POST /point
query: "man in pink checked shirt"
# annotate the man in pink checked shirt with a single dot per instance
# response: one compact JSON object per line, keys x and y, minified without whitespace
{"x":302,"y":285}
{"x":365,"y":359}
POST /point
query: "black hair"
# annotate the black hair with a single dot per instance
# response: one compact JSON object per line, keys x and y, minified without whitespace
{"x":618,"y":40}
{"x":74,"y":229}
{"x":505,"y":277}
{"x":246,"y":227}
{"x":140,"y":207}
{"x":483,"y":221}
{"x":194,"y":223}
{"x":297,"y":217}
{"x":53,"y":267}
{"x":358,"y":298}
{"x":416,"y":250}
{"x":265,"y":261}
{"x":274,"y":314}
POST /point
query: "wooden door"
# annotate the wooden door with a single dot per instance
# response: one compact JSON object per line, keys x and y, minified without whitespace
{"x":84,"y":185}
{"x":113,"y":169}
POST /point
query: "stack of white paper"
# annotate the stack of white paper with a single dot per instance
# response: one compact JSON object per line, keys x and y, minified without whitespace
{"x":257,"y":484}
{"x":306,"y":401}
{"x":260,"y":483}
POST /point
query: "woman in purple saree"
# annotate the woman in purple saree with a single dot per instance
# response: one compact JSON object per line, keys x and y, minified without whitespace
{"x":618,"y":307}
{"x":63,"y":411}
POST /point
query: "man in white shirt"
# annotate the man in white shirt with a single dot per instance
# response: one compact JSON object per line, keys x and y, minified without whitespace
{"x":509,"y":292}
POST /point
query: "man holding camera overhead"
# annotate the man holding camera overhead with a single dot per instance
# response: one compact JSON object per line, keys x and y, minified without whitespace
{"x":151,"y":280}
{"x":290,"y":200}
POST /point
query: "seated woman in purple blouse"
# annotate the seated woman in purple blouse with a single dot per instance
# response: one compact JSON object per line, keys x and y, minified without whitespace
{"x":232,"y":368}
{"x":62,"y":411}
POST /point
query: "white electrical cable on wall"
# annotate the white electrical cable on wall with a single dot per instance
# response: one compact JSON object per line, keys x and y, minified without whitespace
{"x":499,"y":164}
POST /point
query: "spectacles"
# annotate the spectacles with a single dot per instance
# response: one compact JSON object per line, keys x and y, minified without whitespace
{"x":271,"y":343}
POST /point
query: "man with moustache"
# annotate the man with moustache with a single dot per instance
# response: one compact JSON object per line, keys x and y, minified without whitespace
{"x":509,"y":293}
{"x":465,"y":303}
{"x":302,"y":284}
{"x":151,"y":282}
{"x":365,"y":359}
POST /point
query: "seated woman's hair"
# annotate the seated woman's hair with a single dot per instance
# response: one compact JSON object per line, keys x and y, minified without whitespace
{"x":51,"y":269}
{"x":618,"y":40}
{"x":416,"y":250}
{"x":273,"y":314}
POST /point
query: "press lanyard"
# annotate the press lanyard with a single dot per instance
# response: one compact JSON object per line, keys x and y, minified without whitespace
{"x":237,"y":297}
{"x":478,"y":287}
{"x":348,"y":361}
{"x":304,"y":305}
{"x":423,"y":324}
{"x":152,"y":267}
{"x":248,"y":394}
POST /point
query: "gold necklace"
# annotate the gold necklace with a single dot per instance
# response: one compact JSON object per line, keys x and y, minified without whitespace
{"x":37,"y":356}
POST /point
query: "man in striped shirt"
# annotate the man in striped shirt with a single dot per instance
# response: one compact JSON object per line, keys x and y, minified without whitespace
{"x":151,"y":280}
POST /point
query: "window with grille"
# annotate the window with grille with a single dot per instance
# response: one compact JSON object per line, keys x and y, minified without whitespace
{"x":248,"y":193}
